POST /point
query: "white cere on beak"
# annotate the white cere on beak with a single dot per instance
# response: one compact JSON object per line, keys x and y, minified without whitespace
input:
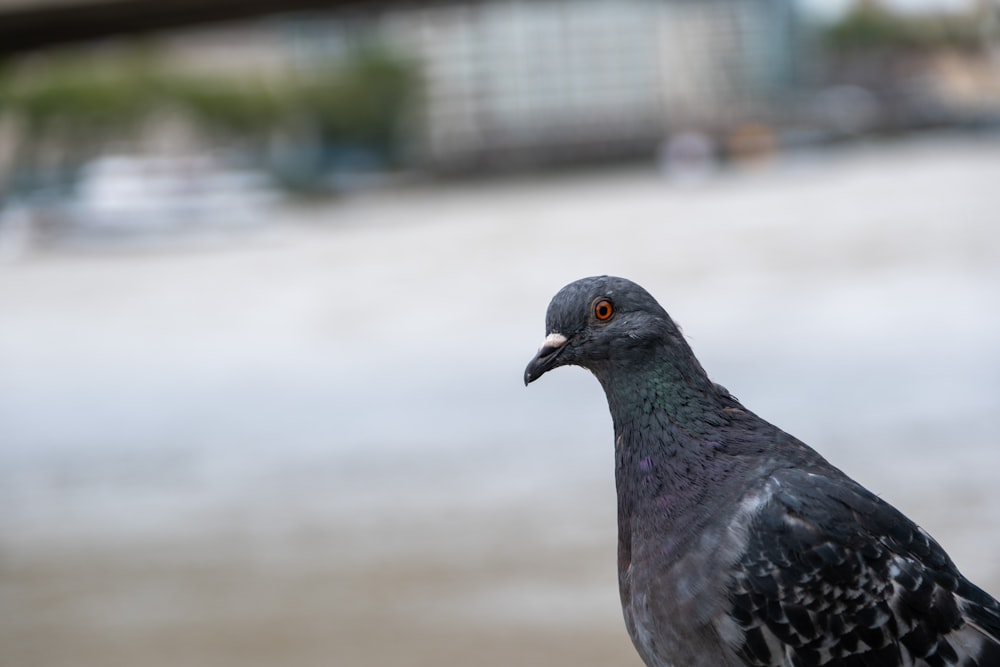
{"x":554,"y":340}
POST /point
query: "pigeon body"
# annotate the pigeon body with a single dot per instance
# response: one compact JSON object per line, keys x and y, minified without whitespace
{"x":737,"y":543}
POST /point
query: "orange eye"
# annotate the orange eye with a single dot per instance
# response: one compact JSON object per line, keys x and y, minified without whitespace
{"x":603,"y":310}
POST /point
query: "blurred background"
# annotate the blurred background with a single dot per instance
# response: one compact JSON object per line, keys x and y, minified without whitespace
{"x":270,"y":273}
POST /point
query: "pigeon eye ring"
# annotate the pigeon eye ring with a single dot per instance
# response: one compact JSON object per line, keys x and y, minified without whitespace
{"x":603,"y":310}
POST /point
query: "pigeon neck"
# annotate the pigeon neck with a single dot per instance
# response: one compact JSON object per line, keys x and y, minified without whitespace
{"x":667,"y":393}
{"x":670,"y":448}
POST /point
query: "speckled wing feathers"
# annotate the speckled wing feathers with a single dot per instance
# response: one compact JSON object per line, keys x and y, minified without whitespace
{"x":833,"y":576}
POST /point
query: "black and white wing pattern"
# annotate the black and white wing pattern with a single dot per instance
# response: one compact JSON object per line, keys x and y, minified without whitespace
{"x":833,"y":576}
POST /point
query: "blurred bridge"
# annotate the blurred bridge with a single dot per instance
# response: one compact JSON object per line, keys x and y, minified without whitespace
{"x":28,"y":25}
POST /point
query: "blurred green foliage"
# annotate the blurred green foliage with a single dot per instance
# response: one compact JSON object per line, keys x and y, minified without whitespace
{"x":86,"y":103}
{"x":362,"y":103}
{"x":869,"y":26}
{"x":228,"y":109}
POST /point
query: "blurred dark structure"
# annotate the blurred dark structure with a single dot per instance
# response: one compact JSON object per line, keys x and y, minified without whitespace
{"x":27,"y":26}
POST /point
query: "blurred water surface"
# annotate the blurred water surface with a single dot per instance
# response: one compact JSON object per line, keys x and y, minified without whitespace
{"x":309,"y":440}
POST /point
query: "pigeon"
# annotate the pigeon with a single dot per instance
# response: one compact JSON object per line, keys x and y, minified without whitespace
{"x":737,"y":543}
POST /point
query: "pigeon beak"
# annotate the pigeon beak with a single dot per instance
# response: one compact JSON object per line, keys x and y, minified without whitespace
{"x":545,"y":359}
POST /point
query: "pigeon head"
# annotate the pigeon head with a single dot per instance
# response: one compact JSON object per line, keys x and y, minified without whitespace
{"x":602,"y":323}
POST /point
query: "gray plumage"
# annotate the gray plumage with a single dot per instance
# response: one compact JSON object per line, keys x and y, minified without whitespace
{"x":738,"y":544}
